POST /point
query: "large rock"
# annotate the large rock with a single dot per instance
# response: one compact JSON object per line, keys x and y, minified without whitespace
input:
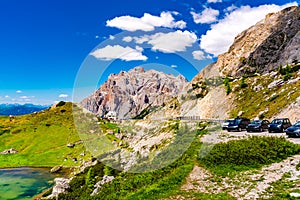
{"x":128,"y":93}
{"x":9,"y":151}
{"x":61,"y":186}
{"x":98,"y":185}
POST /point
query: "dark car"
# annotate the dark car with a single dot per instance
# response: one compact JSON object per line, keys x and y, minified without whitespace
{"x":293,"y":131}
{"x":225,"y":123}
{"x":279,"y":125}
{"x":257,"y":126}
{"x":238,"y":124}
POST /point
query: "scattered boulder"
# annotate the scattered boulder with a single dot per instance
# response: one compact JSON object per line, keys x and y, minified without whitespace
{"x":92,"y":131}
{"x":273,"y":73}
{"x":82,"y":154}
{"x":105,"y":179}
{"x":70,"y":145}
{"x":56,"y":169}
{"x":9,"y":151}
{"x":241,"y":113}
{"x":294,"y":194}
{"x":258,"y":88}
{"x":61,"y":186}
{"x":276,"y":83}
{"x":293,"y":80}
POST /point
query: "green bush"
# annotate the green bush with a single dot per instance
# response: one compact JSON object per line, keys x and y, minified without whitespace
{"x":227,"y":85}
{"x":238,"y":155}
{"x":287,"y":76}
{"x":243,"y":84}
{"x":90,"y":178}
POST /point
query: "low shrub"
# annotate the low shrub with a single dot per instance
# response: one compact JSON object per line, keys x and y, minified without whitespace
{"x":239,"y":155}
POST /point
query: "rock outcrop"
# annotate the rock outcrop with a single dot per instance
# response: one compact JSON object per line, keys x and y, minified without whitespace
{"x":265,"y":46}
{"x":61,"y":186}
{"x":98,"y":185}
{"x":128,"y":93}
{"x":9,"y":151}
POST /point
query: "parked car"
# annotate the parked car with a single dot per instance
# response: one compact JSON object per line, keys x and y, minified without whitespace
{"x":225,"y":124}
{"x":293,"y":131}
{"x":279,"y":125}
{"x":257,"y":126}
{"x":238,"y":124}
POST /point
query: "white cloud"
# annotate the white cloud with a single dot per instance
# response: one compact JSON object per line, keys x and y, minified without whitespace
{"x":218,"y":39}
{"x":174,"y":66}
{"x":24,"y":97}
{"x":118,"y":52}
{"x":127,"y":39}
{"x":207,"y":16}
{"x":138,"y":48}
{"x":111,"y":37}
{"x":142,"y":39}
{"x":214,"y":1}
{"x":63,"y":96}
{"x":230,"y":8}
{"x":97,"y":36}
{"x":198,"y":55}
{"x":146,"y":23}
{"x":6,"y":96}
{"x":18,"y":91}
{"x":173,"y":41}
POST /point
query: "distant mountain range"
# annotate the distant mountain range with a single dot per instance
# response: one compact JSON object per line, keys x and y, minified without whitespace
{"x":18,"y":109}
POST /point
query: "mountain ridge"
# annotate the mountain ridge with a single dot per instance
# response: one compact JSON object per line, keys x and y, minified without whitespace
{"x":128,"y":93}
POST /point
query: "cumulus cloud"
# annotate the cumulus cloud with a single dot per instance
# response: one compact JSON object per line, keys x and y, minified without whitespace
{"x":230,"y":8}
{"x":127,"y":39}
{"x":173,"y":41}
{"x":142,"y":39}
{"x":218,"y":39}
{"x":119,"y":52}
{"x":18,"y":91}
{"x":6,"y":96}
{"x":214,"y":1}
{"x":146,"y":23}
{"x":24,"y":97}
{"x":174,"y":66}
{"x":199,"y":55}
{"x":63,"y":96}
{"x":207,"y":16}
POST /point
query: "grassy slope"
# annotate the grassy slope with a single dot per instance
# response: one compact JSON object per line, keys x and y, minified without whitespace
{"x":252,"y":102}
{"x":224,"y":160}
{"x":41,"y":139}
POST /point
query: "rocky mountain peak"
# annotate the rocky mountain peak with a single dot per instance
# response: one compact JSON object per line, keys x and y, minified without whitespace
{"x":272,"y":42}
{"x":128,"y":93}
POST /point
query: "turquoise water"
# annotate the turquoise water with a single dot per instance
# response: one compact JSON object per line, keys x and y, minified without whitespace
{"x":23,"y":183}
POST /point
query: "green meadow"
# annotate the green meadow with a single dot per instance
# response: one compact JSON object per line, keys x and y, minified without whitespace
{"x":41,"y":139}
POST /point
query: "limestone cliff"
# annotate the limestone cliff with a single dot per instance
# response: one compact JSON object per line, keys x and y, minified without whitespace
{"x":128,"y":93}
{"x":265,"y":46}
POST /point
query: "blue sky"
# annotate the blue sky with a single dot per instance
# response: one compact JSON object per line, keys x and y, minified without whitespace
{"x":46,"y":44}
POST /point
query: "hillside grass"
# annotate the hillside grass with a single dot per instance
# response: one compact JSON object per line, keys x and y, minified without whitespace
{"x":225,"y":159}
{"x":273,"y":100}
{"x":41,"y":139}
{"x":156,"y":184}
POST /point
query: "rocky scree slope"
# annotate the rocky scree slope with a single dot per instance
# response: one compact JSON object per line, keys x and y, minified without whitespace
{"x":257,"y":53}
{"x":265,"y":46}
{"x":128,"y":93}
